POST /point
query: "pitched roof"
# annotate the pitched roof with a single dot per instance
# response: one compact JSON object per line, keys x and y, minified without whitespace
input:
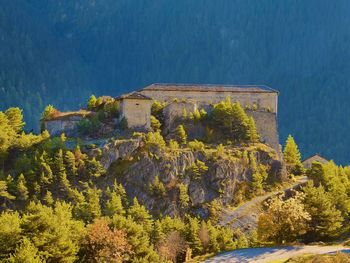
{"x":209,"y":87}
{"x":69,"y":114}
{"x":133,"y":95}
{"x":314,"y":155}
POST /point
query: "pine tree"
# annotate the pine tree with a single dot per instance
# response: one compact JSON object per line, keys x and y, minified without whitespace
{"x":94,"y":168}
{"x":292,"y":157}
{"x":192,"y":235}
{"x":114,"y":205}
{"x":10,"y":232}
{"x":60,"y":172}
{"x":44,"y":169}
{"x":70,"y":163}
{"x":120,"y":190}
{"x":92,"y":103}
{"x":140,"y":215}
{"x":253,"y":135}
{"x":15,"y":117}
{"x":326,"y":219}
{"x":22,"y":190}
{"x":25,"y":252}
{"x":48,"y":198}
{"x":92,"y":205}
{"x":183,"y":196}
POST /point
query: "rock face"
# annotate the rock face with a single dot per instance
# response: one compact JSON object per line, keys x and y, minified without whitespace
{"x":137,"y":170}
{"x":118,"y":149}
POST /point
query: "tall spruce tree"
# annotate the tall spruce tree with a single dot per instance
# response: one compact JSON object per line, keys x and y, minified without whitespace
{"x":292,"y":157}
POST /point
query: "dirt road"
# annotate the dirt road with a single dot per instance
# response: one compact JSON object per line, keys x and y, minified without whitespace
{"x":261,"y":255}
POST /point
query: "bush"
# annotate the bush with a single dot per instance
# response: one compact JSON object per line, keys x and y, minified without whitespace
{"x":88,"y":126}
{"x":49,"y":113}
{"x":181,"y":134}
{"x":154,"y":141}
{"x":196,"y":145}
{"x":155,"y":123}
{"x":157,"y":187}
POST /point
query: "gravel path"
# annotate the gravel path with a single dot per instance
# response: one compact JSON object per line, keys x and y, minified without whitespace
{"x":246,"y":215}
{"x":260,"y":255}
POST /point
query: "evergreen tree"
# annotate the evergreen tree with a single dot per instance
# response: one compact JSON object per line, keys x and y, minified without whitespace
{"x":10,"y":233}
{"x":22,"y":190}
{"x":326,"y":220}
{"x":120,"y":190}
{"x":60,"y":172}
{"x":25,"y":252}
{"x":138,"y":238}
{"x":94,"y":168}
{"x":140,"y":215}
{"x":253,"y":135}
{"x":92,"y":205}
{"x":183,"y":196}
{"x":192,"y":235}
{"x":292,"y":157}
{"x":48,"y":198}
{"x":49,"y":112}
{"x":44,"y":169}
{"x":15,"y":117}
{"x":53,"y":231}
{"x":70,"y":163}
{"x":114,"y":205}
{"x":92,"y":103}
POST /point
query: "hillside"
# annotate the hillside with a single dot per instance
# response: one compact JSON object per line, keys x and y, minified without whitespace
{"x":60,"y":52}
{"x":192,"y":186}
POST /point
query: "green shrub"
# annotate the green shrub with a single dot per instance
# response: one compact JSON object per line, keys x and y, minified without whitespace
{"x":154,"y":141}
{"x":155,"y":123}
{"x":181,"y":134}
{"x":157,"y":187}
{"x":196,"y":145}
{"x":88,"y":126}
{"x":49,"y":113}
{"x":197,"y":169}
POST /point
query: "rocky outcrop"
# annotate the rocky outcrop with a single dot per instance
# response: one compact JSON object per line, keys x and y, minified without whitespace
{"x":118,"y":149}
{"x":137,"y":170}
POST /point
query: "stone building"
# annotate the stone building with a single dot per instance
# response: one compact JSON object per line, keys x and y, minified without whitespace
{"x":135,"y":108}
{"x":264,"y":98}
{"x":260,"y":102}
{"x":307,"y":163}
{"x":65,"y":122}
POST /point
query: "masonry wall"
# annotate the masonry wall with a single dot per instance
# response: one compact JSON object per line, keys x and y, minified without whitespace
{"x":67,"y":126}
{"x":266,"y":124}
{"x":262,"y":100}
{"x":137,"y":113}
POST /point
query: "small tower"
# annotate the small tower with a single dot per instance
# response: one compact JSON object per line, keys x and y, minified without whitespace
{"x":136,"y":109}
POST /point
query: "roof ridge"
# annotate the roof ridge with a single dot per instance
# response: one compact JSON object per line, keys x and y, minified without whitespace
{"x":198,"y":85}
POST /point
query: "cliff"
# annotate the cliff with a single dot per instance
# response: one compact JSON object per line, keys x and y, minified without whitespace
{"x":171,"y":182}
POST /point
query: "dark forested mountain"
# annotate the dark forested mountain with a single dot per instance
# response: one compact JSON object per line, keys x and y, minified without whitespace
{"x":60,"y":52}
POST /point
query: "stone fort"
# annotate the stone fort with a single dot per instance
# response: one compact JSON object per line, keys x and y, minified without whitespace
{"x":259,"y":101}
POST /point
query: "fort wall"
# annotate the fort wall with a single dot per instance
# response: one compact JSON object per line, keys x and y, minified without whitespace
{"x":263,"y":100}
{"x":58,"y":126}
{"x":266,"y":124}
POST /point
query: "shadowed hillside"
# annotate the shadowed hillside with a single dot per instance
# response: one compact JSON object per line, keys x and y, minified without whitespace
{"x":60,"y":52}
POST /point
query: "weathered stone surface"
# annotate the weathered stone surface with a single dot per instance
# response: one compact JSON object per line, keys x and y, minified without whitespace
{"x":219,"y":181}
{"x":57,"y":127}
{"x":118,"y":149}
